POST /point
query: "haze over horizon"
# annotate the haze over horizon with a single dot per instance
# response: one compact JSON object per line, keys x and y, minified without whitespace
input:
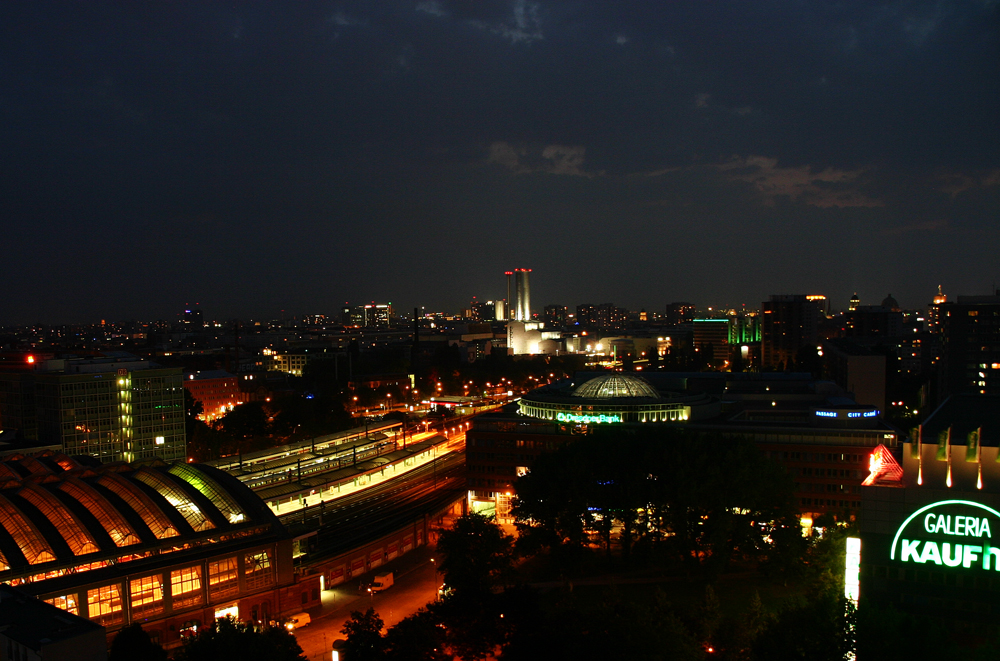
{"x":292,"y":156}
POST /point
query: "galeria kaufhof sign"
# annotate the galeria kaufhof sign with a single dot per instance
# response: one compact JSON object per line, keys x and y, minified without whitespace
{"x":949,"y":533}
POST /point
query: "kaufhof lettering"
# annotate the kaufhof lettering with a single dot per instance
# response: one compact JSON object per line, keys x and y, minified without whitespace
{"x":952,"y":531}
{"x":950,"y":555}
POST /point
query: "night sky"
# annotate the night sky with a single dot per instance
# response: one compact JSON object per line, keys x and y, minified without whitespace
{"x":256,"y":157}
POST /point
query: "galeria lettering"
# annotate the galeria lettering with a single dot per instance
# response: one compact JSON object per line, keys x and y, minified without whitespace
{"x":968,"y":526}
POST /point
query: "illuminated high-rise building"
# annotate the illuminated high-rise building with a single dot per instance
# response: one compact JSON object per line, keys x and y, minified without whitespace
{"x":522,"y":307}
{"x":518,"y":295}
{"x":934,"y":311}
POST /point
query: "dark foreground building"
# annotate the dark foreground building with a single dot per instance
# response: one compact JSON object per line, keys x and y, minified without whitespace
{"x":172,"y":546}
{"x":32,"y":629}
{"x":930,"y":537}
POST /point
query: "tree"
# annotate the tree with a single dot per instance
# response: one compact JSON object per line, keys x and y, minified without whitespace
{"x":133,"y":644}
{"x":724,"y":501}
{"x":192,"y":409}
{"x":615,"y":628}
{"x":246,"y":426}
{"x":364,"y":636}
{"x":478,"y":557}
{"x":829,"y":620}
{"x":419,"y":637}
{"x":231,"y":639}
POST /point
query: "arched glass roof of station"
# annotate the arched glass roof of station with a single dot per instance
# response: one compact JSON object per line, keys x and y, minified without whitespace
{"x":51,"y":506}
{"x":77,"y":537}
{"x":154,"y":518}
{"x":211,"y":490}
{"x":613,"y":386}
{"x":118,"y":529}
{"x":179,"y":500}
{"x":33,"y":545}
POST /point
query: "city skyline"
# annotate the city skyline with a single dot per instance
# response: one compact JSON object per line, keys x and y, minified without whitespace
{"x":334,"y":314}
{"x":269,"y":157}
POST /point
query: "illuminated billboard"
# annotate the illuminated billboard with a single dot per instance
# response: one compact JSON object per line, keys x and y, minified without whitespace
{"x":949,"y":533}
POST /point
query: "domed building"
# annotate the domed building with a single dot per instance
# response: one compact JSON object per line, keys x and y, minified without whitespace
{"x":889,"y":303}
{"x":615,"y":398}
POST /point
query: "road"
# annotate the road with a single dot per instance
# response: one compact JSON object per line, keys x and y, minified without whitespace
{"x":416,"y":584}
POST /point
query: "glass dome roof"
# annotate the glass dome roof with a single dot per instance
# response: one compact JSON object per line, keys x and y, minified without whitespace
{"x":611,"y":386}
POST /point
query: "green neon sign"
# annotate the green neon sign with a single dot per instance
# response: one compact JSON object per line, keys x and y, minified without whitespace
{"x":588,"y":419}
{"x":953,"y":524}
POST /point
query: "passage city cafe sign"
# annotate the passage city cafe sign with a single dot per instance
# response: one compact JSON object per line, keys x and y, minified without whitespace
{"x":949,"y":533}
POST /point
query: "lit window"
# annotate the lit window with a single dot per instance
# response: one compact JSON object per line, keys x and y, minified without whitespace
{"x":257,"y":570}
{"x":223,"y":577}
{"x":147,"y":596}
{"x":104,"y":605}
{"x":67,"y":603}
{"x":185,"y":587}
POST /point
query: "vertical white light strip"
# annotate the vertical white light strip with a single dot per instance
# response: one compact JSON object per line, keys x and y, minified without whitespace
{"x":852,"y":570}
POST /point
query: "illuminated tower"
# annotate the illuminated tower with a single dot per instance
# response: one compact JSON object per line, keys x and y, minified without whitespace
{"x":507,"y":306}
{"x":855,"y":302}
{"x":522,"y":304}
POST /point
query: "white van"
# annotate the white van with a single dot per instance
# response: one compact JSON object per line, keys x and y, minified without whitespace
{"x":297,"y":621}
{"x":382,"y":582}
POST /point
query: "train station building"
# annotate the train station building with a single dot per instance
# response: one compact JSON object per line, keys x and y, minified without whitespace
{"x":172,"y":546}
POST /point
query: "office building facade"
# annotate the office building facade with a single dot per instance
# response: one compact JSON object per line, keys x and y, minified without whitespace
{"x":116,"y":408}
{"x":970,"y":345}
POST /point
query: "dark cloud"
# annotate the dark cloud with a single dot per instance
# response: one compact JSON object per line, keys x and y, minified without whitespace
{"x":292,"y":155}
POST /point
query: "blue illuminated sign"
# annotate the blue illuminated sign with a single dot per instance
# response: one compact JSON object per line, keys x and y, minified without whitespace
{"x":850,"y":414}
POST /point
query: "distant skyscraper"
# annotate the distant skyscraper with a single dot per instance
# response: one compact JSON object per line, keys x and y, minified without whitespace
{"x":970,"y":360}
{"x":934,"y":311}
{"x":374,"y":315}
{"x":789,"y":323}
{"x":484,"y":310}
{"x":520,"y":308}
{"x":193,"y":319}
{"x":555,"y":316}
{"x":855,"y":302}
{"x":679,"y":312}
